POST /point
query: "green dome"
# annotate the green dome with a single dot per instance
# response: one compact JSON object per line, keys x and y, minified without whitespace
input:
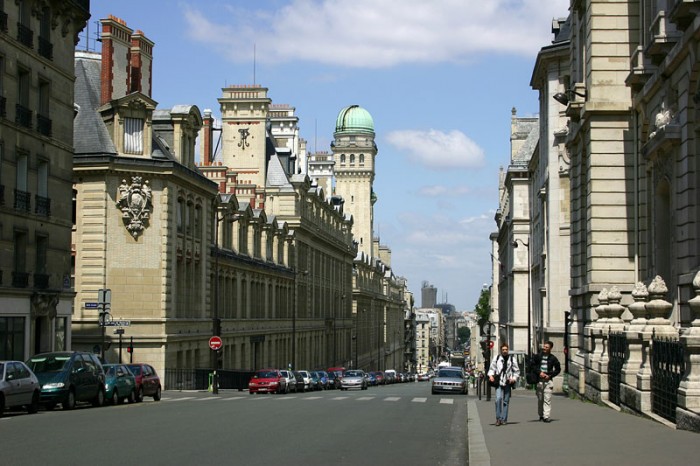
{"x":354,"y":119}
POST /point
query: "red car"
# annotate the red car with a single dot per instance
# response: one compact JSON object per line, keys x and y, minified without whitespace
{"x":268,"y":381}
{"x":147,"y":381}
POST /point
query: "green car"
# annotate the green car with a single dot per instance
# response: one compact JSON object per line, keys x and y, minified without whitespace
{"x":120,"y":384}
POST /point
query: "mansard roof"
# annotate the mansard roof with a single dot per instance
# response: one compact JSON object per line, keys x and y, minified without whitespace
{"x":90,"y":134}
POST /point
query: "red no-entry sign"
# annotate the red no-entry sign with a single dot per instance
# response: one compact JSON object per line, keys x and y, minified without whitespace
{"x":215,"y":343}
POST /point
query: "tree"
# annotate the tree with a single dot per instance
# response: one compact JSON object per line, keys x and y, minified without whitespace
{"x":483,"y":309}
{"x":463,"y":333}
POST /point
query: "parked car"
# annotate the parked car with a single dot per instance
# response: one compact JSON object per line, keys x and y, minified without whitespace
{"x":371,"y":379}
{"x":323,"y":378}
{"x":353,"y":379}
{"x":333,"y":380}
{"x":381,"y":380}
{"x":306,"y":381}
{"x":120,"y":384}
{"x":300,"y":386}
{"x":291,"y":381}
{"x":147,"y":381}
{"x":19,"y":387}
{"x":68,"y":377}
{"x":451,"y":380}
{"x":423,"y":377}
{"x":268,"y":381}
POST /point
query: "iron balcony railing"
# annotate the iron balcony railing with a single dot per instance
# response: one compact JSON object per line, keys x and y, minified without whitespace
{"x":45,"y":48}
{"x":23,"y":200}
{"x":43,"y":125}
{"x":25,"y":35}
{"x":43,"y":206}
{"x":20,"y":279}
{"x":23,"y":116}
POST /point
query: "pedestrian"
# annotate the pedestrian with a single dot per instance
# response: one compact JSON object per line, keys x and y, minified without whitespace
{"x":504,"y":372}
{"x":546,"y":366}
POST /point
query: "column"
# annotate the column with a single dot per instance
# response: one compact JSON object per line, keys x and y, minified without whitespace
{"x":629,"y":395}
{"x":688,"y":410}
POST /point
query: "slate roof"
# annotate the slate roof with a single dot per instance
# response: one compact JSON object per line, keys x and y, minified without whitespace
{"x":530,"y":129}
{"x":90,"y":136}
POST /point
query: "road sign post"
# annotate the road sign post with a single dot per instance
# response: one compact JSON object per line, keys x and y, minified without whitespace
{"x":104,"y":303}
{"x":215,"y":343}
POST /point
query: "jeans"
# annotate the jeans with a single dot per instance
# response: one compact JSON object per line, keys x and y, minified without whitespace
{"x":502,"y":400}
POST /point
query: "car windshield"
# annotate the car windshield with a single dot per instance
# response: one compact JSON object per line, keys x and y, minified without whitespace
{"x":449,"y":374}
{"x":136,"y":370}
{"x":266,"y":374}
{"x":353,"y":374}
{"x":48,"y":363}
{"x":110,"y":370}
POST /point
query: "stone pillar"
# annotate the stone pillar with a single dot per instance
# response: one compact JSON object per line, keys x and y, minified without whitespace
{"x":657,"y":311}
{"x":612,"y":323}
{"x":688,"y":410}
{"x":594,"y":333}
{"x":632,"y":332}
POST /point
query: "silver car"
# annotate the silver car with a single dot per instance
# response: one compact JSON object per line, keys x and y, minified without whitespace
{"x":19,"y":387}
{"x":354,"y":379}
{"x":450,"y":380}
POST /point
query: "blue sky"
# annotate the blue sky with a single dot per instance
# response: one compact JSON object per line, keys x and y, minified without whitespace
{"x":439,"y":78}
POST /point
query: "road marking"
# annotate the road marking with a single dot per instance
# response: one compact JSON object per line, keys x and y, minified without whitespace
{"x":286,"y":397}
{"x":419,"y":400}
{"x":313,"y":398}
{"x":340,"y":398}
{"x":392,"y":398}
{"x":365,"y":398}
{"x":180,"y":399}
{"x":234,"y":398}
{"x":447,"y":401}
{"x":208,"y":399}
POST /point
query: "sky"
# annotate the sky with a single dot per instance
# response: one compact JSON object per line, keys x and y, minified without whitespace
{"x":439,"y":78}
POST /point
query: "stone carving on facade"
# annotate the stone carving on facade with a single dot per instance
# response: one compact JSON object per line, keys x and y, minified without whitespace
{"x":244,"y":132}
{"x":662,"y":118}
{"x":135,"y":202}
{"x":44,"y":305}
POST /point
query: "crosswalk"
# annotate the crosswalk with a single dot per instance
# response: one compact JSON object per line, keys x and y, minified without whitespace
{"x":263,"y":398}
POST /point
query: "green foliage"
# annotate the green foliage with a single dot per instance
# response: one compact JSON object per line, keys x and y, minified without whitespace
{"x":482,"y":309}
{"x":463,"y":333}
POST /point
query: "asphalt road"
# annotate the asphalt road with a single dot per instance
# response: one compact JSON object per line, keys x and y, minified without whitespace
{"x":396,"y":424}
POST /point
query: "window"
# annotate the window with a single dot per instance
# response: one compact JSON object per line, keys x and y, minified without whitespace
{"x":24,"y":33}
{"x":41,"y":277}
{"x":362,"y":159}
{"x":180,"y":215}
{"x":23,"y":116}
{"x":43,"y":203}
{"x":45,"y":45}
{"x":12,"y":338}
{"x":3,"y":17}
{"x":3,"y":101}
{"x":20,"y":278}
{"x":22,"y":197}
{"x":43,"y":122}
{"x":352,"y":159}
{"x":342,"y":158}
{"x":198,"y":222}
{"x":133,"y":135}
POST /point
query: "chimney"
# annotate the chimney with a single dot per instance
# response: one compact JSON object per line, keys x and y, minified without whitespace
{"x":207,"y":137}
{"x":116,"y":37}
{"x":141,"y":62}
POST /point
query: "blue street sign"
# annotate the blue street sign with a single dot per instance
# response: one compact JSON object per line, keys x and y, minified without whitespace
{"x":91,"y":305}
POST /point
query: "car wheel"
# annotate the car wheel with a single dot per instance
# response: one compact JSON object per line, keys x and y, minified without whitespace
{"x":69,"y":402}
{"x":2,"y":405}
{"x":139,"y":395}
{"x":115,"y":398}
{"x":131,"y":398}
{"x":156,"y":396}
{"x":34,"y":406}
{"x":99,"y":399}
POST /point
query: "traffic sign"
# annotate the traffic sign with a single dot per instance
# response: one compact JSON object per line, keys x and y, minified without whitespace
{"x":91,"y":305}
{"x":215,"y":343}
{"x":117,"y":323}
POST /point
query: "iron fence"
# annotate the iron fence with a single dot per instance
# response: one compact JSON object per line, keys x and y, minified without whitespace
{"x":617,"y":348}
{"x":667,"y":369}
{"x":198,"y":379}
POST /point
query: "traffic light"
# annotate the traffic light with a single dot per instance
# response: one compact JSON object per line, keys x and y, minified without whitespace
{"x":129,"y":349}
{"x":490,"y":344}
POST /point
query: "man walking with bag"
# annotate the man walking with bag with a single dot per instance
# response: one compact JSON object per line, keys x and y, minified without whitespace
{"x":545,"y":366}
{"x":503,"y":374}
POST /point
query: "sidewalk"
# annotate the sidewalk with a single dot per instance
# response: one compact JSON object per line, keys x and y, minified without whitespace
{"x":581,"y":433}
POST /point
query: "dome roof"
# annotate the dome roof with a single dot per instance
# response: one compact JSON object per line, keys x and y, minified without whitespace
{"x":354,"y":119}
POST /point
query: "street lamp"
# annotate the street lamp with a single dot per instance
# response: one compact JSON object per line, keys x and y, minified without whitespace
{"x":529,"y":284}
{"x":226,"y":214}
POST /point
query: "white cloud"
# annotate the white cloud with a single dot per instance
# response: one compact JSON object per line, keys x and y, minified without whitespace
{"x":438,"y":150}
{"x":377,"y":33}
{"x":444,"y":191}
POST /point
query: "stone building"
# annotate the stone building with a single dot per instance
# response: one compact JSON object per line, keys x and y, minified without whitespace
{"x":37,"y":42}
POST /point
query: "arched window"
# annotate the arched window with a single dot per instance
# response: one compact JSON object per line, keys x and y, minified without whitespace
{"x":352,"y":159}
{"x":342,"y":158}
{"x":362,"y":159}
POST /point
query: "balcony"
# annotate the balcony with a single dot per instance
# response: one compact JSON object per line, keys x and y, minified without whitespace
{"x":663,"y":36}
{"x":23,"y":201}
{"x":641,"y":69}
{"x":43,"y":206}
{"x":43,"y":125}
{"x":41,"y":281}
{"x":23,"y":116}
{"x":683,"y":12}
{"x":25,"y":35}
{"x":45,"y":48}
{"x":20,"y":279}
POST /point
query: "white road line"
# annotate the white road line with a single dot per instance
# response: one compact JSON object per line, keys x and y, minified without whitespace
{"x":313,"y":398}
{"x":234,"y":398}
{"x":179,"y":399}
{"x":340,"y":398}
{"x":208,"y":399}
{"x":419,"y":400}
{"x":447,"y":401}
{"x":392,"y":398}
{"x":365,"y":398}
{"x":286,"y":398}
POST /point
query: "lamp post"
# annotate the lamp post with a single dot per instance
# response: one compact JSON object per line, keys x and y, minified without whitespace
{"x":216,"y":320}
{"x":529,"y":284}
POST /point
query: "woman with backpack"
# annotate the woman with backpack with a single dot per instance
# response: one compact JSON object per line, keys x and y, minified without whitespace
{"x":503,"y":374}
